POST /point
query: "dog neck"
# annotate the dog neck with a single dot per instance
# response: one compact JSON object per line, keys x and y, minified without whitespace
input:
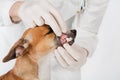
{"x":26,"y":67}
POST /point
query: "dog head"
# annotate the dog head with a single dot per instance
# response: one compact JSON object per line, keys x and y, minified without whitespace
{"x":37,"y":41}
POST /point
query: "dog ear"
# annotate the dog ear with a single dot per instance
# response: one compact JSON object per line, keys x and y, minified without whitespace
{"x":17,"y":50}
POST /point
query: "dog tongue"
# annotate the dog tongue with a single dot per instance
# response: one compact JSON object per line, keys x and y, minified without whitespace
{"x":63,"y":38}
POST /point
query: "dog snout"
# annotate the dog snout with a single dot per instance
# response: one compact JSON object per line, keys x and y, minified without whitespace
{"x":72,"y":33}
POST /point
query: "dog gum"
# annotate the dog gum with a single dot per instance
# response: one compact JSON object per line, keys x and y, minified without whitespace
{"x":65,"y":39}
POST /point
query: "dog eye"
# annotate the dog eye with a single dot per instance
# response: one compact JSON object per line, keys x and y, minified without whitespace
{"x":25,"y":41}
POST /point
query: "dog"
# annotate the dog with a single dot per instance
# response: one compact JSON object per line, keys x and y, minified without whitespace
{"x":34,"y":44}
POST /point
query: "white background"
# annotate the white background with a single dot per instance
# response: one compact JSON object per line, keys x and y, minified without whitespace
{"x":105,"y":63}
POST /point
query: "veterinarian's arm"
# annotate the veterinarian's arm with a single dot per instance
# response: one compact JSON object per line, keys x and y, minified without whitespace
{"x":37,"y":13}
{"x":5,"y":6}
{"x":86,"y":39}
{"x":89,"y":24}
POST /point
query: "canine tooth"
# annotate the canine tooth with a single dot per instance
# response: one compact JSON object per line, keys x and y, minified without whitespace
{"x":69,"y":39}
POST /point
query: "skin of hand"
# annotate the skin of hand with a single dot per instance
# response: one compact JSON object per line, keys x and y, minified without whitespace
{"x":71,"y":56}
{"x":38,"y":13}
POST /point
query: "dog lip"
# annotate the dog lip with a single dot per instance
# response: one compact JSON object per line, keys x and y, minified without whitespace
{"x":58,"y":41}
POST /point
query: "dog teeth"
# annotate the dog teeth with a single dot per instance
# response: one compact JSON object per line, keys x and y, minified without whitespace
{"x":69,"y":39}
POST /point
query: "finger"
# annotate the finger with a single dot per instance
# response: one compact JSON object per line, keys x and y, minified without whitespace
{"x":28,"y":22}
{"x":38,"y":20}
{"x":59,"y":59}
{"x":66,"y":56}
{"x":51,"y":21}
{"x":59,"y":19}
{"x":74,"y":53}
{"x":27,"y":18}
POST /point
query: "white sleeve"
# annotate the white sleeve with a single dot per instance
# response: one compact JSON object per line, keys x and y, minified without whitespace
{"x":89,"y":23}
{"x":5,"y":6}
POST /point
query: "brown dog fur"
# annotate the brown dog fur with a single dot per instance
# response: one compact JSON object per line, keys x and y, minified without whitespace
{"x":35,"y":43}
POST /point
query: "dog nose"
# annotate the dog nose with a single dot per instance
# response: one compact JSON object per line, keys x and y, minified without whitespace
{"x":73,"y":31}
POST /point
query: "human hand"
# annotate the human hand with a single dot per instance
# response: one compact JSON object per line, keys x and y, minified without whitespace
{"x":41,"y":12}
{"x":70,"y":56}
{"x":13,"y":12}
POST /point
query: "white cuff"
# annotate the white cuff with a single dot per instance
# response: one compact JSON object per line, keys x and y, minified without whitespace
{"x":6,"y":5}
